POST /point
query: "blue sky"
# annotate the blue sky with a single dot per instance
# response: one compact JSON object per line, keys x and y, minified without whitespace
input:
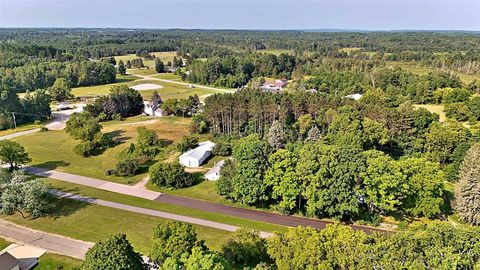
{"x":244,"y":14}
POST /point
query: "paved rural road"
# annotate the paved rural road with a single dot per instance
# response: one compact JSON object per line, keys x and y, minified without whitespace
{"x":291,"y":221}
{"x":18,"y":134}
{"x":150,"y":212}
{"x":57,"y":123}
{"x":50,"y":242}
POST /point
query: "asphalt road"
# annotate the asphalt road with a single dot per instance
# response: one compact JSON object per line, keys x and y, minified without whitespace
{"x":50,"y":242}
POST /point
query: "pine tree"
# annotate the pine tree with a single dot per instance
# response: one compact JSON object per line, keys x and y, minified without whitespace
{"x":159,"y":66}
{"x":313,"y":135}
{"x":156,"y":100}
{"x":121,"y":68}
{"x":276,"y":136}
{"x":467,"y":192}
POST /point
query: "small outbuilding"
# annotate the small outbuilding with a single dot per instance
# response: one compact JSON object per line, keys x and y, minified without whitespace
{"x":356,"y":96}
{"x":214,"y":173}
{"x":194,"y":158}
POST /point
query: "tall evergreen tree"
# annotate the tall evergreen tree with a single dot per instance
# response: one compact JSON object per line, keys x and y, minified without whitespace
{"x":121,"y":68}
{"x":467,"y":192}
{"x":276,"y":136}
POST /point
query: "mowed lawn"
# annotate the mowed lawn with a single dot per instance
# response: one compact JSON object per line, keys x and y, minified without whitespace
{"x":89,"y":222}
{"x":154,"y":205}
{"x":54,"y":149}
{"x":51,"y":261}
{"x":167,"y":90}
{"x":3,"y":243}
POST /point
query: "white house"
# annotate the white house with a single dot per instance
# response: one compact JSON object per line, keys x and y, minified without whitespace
{"x":195,"y":157}
{"x":214,"y":173}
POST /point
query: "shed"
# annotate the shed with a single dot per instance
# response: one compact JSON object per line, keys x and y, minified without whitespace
{"x":194,"y":158}
{"x":214,"y":173}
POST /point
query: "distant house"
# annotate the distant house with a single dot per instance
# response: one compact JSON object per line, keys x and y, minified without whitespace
{"x":8,"y":262}
{"x":194,"y":158}
{"x":275,"y":86}
{"x":214,"y":173}
{"x":153,"y":109}
{"x":356,"y":96}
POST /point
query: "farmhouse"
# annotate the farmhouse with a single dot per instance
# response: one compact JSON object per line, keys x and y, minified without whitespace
{"x":195,"y":157}
{"x":214,"y":173}
{"x":275,"y":86}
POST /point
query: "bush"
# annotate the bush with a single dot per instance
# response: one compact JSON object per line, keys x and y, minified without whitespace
{"x":102,"y":117}
{"x":245,"y":247}
{"x":457,"y":111}
{"x":187,"y":142}
{"x":43,"y":129}
{"x":222,"y":149}
{"x":127,"y":167}
{"x":84,"y":149}
{"x":170,"y":175}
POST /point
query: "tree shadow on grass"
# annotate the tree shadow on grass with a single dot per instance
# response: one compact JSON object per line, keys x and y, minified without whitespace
{"x":198,"y":178}
{"x":165,"y":142}
{"x":66,"y":206}
{"x":52,"y":164}
{"x":117,"y":136}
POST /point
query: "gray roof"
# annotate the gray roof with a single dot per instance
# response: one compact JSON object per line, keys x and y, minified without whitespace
{"x":7,"y":261}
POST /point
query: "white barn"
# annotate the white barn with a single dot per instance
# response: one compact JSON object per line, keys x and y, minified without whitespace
{"x":214,"y":173}
{"x":195,"y":157}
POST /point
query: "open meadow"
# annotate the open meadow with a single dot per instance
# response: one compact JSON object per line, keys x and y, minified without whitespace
{"x":165,"y":57}
{"x":422,"y":70}
{"x":166,"y":90}
{"x":54,"y":149}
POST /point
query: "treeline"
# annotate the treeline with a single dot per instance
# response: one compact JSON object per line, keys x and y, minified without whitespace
{"x":42,"y":75}
{"x":177,"y":246}
{"x":323,"y":156}
{"x":233,"y":71}
{"x":34,"y":106}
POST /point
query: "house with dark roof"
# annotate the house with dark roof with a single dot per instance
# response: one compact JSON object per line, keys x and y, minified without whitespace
{"x":8,"y":262}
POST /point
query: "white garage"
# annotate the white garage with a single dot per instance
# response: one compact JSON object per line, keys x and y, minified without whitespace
{"x":194,"y":158}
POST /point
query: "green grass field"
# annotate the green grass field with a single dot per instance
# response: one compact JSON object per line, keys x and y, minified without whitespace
{"x":54,"y":149}
{"x":276,"y":52}
{"x":139,"y":202}
{"x":168,"y":90}
{"x":168,"y":76}
{"x":50,"y":261}
{"x":142,"y":72}
{"x":165,"y":57}
{"x":4,"y":243}
{"x":421,"y":70}
{"x":89,"y":222}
